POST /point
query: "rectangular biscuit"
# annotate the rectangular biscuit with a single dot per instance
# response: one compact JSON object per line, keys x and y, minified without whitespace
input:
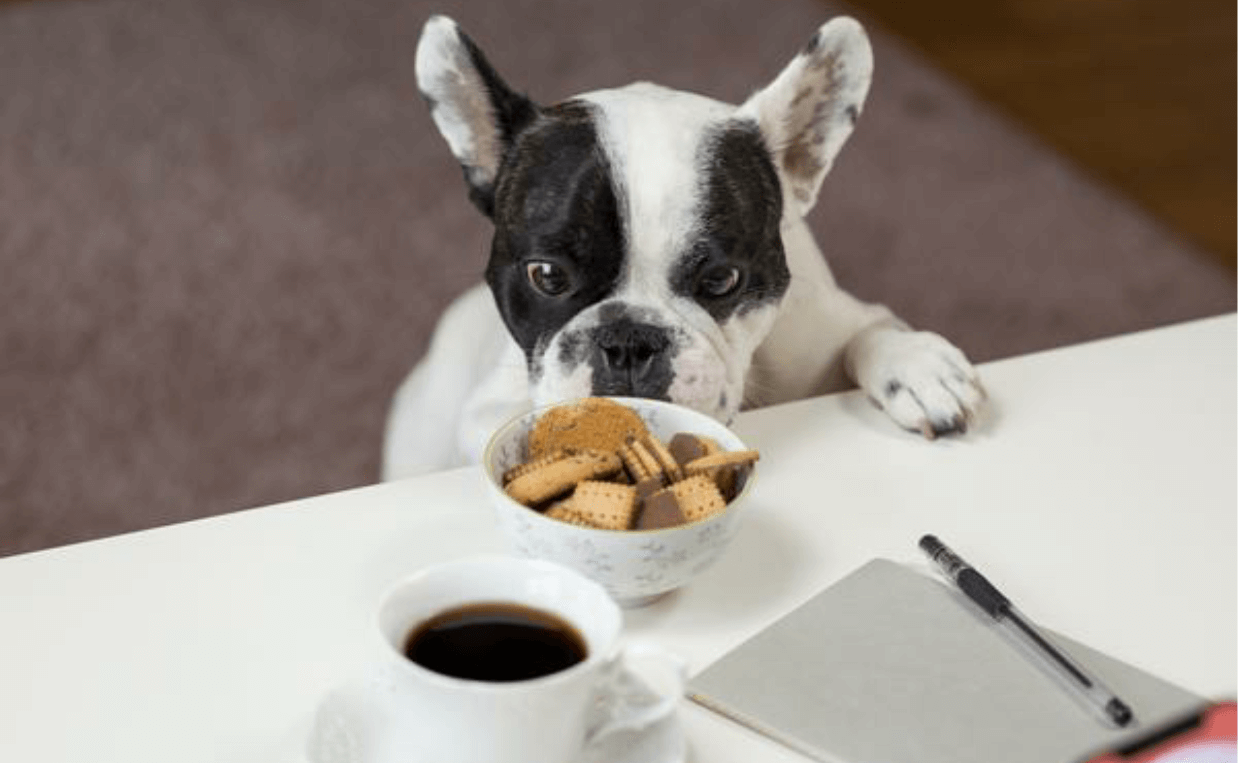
{"x":698,"y":497}
{"x":729,"y":470}
{"x":565,"y":512}
{"x":605,"y":504}
{"x":669,"y":466}
{"x":721,"y":459}
{"x":639,"y":462}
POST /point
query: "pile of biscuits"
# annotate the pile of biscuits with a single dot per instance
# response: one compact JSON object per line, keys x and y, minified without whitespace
{"x":595,"y":463}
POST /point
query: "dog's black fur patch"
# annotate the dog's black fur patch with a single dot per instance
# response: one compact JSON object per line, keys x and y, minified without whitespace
{"x":554,"y":202}
{"x":739,"y":228}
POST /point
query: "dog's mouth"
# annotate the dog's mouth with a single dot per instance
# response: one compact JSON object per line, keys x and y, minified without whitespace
{"x":634,"y":354}
{"x":626,"y":388}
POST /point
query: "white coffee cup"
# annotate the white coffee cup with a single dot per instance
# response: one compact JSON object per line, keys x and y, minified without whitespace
{"x":402,"y":712}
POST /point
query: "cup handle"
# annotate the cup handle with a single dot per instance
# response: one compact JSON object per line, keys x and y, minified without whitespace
{"x":626,"y":701}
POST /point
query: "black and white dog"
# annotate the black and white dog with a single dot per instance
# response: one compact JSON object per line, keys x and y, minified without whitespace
{"x":650,"y":242}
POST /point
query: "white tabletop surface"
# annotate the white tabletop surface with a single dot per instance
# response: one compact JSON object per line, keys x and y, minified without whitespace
{"x":1099,"y":493}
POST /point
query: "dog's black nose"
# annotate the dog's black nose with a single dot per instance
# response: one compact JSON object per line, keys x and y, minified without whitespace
{"x":631,"y":359}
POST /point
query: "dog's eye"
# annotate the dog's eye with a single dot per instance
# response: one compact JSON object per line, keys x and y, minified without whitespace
{"x":719,"y":281}
{"x":547,"y":278}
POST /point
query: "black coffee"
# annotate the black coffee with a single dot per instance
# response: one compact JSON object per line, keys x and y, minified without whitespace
{"x":495,"y":642}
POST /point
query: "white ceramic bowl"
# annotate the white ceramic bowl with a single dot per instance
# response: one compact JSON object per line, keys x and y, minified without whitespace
{"x":634,"y":566}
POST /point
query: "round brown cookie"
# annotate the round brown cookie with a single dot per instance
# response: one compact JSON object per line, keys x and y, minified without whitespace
{"x":594,"y":423}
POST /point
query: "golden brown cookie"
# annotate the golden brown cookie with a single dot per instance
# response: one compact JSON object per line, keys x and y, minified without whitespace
{"x":564,"y":512}
{"x":721,"y":459}
{"x":520,"y":470}
{"x":670,"y":467}
{"x":698,"y":497}
{"x":728,"y":470}
{"x":594,"y":423}
{"x":639,"y":463}
{"x":560,"y":475}
{"x":605,"y":504}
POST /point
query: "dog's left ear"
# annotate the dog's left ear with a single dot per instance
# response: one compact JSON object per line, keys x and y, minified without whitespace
{"x":807,"y":113}
{"x":477,"y":113}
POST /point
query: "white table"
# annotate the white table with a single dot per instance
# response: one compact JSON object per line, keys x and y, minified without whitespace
{"x":1100,"y":494}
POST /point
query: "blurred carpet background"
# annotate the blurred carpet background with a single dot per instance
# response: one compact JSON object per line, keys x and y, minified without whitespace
{"x":227,"y":227}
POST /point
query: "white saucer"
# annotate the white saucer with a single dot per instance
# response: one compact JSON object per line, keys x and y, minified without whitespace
{"x":663,"y":742}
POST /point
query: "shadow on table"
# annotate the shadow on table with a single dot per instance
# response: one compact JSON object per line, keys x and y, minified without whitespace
{"x":763,"y":560}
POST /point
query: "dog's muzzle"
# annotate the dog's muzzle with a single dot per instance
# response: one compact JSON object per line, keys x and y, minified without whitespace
{"x":631,"y":359}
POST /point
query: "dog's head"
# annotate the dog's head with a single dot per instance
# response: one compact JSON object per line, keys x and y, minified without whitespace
{"x":638,"y":231}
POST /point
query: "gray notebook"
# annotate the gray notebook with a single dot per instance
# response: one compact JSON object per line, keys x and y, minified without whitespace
{"x":891,"y":666}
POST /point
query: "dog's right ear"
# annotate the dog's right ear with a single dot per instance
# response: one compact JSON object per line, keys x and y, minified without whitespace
{"x":808,"y":111}
{"x":477,"y":113}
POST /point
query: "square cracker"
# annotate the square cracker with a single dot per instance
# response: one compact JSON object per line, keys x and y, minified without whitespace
{"x":698,"y":497}
{"x":565,"y":512}
{"x":605,"y":504}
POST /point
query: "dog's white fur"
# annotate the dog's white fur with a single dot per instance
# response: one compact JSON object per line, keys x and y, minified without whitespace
{"x":474,"y":374}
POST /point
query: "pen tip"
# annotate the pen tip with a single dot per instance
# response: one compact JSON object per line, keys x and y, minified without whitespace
{"x":929,"y":544}
{"x":1119,"y":712}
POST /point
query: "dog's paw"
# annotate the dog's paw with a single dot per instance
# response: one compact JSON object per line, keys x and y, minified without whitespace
{"x":919,"y":379}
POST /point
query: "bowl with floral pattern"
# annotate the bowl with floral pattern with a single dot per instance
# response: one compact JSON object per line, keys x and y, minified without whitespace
{"x":636,"y":566}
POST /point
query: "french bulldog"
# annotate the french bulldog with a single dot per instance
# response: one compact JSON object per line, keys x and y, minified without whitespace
{"x":650,"y":242}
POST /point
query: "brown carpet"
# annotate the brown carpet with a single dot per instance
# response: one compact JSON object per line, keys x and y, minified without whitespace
{"x":226,"y":229}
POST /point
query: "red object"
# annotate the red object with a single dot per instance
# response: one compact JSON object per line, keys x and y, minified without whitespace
{"x":1210,"y":736}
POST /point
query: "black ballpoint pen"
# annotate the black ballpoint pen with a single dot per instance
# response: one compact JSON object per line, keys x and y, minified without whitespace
{"x":974,"y":585}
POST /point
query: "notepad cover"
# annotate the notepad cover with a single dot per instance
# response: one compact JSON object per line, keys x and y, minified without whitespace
{"x":891,"y":666}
